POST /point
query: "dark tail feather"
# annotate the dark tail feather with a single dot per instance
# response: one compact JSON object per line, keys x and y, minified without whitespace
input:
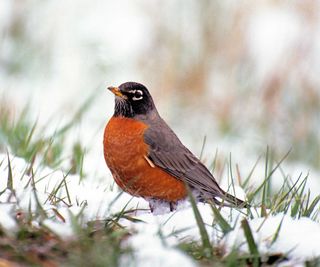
{"x":235,"y":201}
{"x":221,"y":198}
{"x":225,"y":199}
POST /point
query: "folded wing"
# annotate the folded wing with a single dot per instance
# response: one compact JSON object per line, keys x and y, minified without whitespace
{"x":168,"y":153}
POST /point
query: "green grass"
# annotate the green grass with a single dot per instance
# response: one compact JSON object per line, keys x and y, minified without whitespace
{"x":90,"y":247}
{"x":292,"y":199}
{"x":103,"y":243}
{"x":26,"y":139}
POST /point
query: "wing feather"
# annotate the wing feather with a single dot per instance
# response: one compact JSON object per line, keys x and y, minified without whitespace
{"x":168,"y":153}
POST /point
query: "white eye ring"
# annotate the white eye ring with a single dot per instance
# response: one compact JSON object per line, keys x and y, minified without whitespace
{"x":137,"y":98}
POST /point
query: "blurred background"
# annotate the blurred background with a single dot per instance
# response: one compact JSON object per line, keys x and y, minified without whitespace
{"x":245,"y":75}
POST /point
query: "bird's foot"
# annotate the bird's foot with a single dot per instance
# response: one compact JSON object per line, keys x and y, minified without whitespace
{"x":159,"y":206}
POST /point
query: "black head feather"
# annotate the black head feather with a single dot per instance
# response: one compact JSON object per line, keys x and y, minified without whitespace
{"x":135,"y":100}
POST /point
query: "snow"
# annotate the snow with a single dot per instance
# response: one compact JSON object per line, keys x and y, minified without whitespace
{"x":7,"y":217}
{"x":300,"y":238}
{"x":62,"y":229}
{"x":297,"y":237}
{"x":92,"y":201}
{"x":151,"y":250}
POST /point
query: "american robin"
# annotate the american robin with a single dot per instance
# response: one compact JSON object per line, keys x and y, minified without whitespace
{"x":148,"y":160}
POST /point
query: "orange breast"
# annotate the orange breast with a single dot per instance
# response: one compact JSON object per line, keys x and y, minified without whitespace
{"x":125,"y":151}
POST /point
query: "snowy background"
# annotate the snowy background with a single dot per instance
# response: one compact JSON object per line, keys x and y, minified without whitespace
{"x":245,"y":75}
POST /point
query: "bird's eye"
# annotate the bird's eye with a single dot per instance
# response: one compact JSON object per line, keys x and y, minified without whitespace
{"x":138,"y":95}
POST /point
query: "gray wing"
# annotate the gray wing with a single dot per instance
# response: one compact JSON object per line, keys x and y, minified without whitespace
{"x":167,"y":152}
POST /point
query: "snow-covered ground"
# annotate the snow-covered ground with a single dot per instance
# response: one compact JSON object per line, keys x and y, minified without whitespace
{"x":299,"y":238}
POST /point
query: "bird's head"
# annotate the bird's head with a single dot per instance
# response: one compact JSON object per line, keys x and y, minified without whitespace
{"x":132,"y":99}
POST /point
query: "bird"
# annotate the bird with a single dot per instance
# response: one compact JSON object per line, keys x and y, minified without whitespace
{"x":147,"y":159}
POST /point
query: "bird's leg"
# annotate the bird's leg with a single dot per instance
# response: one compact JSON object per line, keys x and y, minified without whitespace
{"x":151,"y":206}
{"x":173,"y":205}
{"x":160,"y":206}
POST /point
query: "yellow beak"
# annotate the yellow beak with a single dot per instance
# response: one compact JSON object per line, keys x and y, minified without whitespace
{"x":116,"y":91}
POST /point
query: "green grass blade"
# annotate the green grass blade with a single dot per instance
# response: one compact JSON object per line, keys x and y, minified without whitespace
{"x":246,"y":181}
{"x":40,"y":209}
{"x":214,"y":162}
{"x":298,"y":196}
{"x":250,"y":241}
{"x":203,"y":145}
{"x":231,"y":176}
{"x":285,"y":197}
{"x":10,"y":178}
{"x":252,"y":195}
{"x":78,"y":114}
{"x":265,"y":185}
{"x":207,"y":248}
{"x":67,"y":192}
{"x":309,"y":210}
{"x":224,"y":225}
{"x":276,"y":235}
{"x":29,"y":137}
